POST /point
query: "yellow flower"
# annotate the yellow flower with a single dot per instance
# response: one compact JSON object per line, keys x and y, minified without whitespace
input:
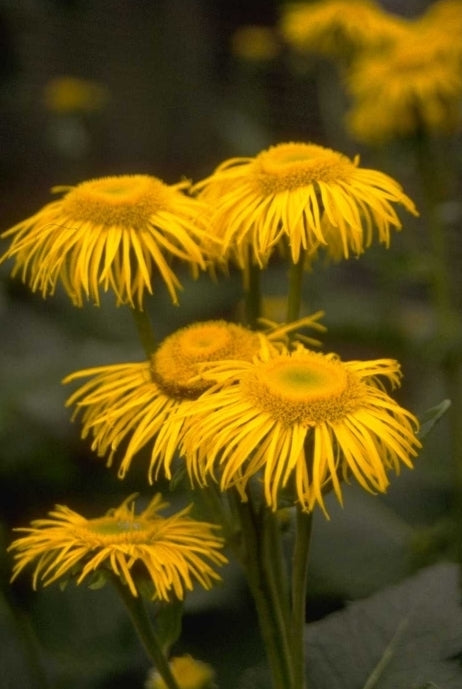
{"x":188,"y":672}
{"x":70,"y":94}
{"x":115,"y":233}
{"x":339,"y":27}
{"x":303,"y":420}
{"x":127,"y":407}
{"x":254,"y":43}
{"x":415,"y":85}
{"x":173,"y":551}
{"x":289,"y":191}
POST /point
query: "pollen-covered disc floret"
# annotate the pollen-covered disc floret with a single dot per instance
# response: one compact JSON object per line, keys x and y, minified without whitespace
{"x":171,"y":552}
{"x":289,"y":192}
{"x":116,"y":233}
{"x":302,"y":420}
{"x":127,"y":407}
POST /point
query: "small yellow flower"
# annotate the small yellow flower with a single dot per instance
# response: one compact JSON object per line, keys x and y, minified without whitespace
{"x":114,"y":233}
{"x":289,"y":192}
{"x":173,"y":552}
{"x":70,"y":95}
{"x":188,"y":672}
{"x":339,"y":27}
{"x":127,"y":407}
{"x":415,"y":85}
{"x":300,"y":419}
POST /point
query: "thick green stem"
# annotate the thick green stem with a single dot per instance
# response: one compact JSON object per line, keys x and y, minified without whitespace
{"x":252,"y":293}
{"x":143,"y":625}
{"x":144,"y":330}
{"x":294,"y":297}
{"x":299,"y":581}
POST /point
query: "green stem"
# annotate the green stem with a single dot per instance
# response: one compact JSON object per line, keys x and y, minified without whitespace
{"x":294,"y":297}
{"x":299,"y":580}
{"x":145,"y":331}
{"x":268,"y":609}
{"x":252,"y":293}
{"x":143,"y":625}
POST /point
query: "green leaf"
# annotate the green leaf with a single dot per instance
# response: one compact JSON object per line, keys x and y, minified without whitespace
{"x":168,"y":623}
{"x":406,"y":637}
{"x":432,"y":416}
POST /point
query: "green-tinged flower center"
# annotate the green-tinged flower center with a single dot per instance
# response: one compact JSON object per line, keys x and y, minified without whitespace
{"x":177,"y":360}
{"x":290,"y":166}
{"x":106,"y":530}
{"x":127,"y":201}
{"x":308,"y":391}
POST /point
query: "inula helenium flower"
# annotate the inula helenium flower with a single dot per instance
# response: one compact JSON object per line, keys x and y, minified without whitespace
{"x":114,"y":233}
{"x":127,"y":407}
{"x":171,"y":552}
{"x":302,"y":420}
{"x":292,"y":192}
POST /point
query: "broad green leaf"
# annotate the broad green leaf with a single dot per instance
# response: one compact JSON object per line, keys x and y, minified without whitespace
{"x":408,"y":636}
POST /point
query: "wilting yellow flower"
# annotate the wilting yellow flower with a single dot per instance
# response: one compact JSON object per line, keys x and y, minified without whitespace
{"x":339,"y":27}
{"x":188,"y":672}
{"x":255,"y":43}
{"x":115,"y":233}
{"x":289,"y":192}
{"x":415,"y":85}
{"x":173,"y":552}
{"x":127,"y":407}
{"x":301,"y":420}
{"x":70,"y":95}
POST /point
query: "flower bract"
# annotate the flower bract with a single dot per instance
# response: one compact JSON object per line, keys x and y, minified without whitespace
{"x":172,"y":552}
{"x":289,"y":193}
{"x":301,"y":420}
{"x":116,"y":233}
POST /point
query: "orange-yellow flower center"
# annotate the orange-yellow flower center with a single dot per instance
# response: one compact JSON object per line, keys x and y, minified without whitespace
{"x":125,"y":201}
{"x":290,"y":166}
{"x":309,"y":390}
{"x":177,"y":360}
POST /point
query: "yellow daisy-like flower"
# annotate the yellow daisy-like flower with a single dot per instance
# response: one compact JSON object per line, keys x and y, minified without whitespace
{"x":115,"y":233}
{"x":415,"y":85}
{"x":339,"y":27}
{"x":289,"y":191}
{"x":188,"y":672}
{"x":172,"y":552}
{"x":300,"y":418}
{"x":127,"y":407}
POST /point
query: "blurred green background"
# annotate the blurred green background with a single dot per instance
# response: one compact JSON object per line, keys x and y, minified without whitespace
{"x":173,"y":99}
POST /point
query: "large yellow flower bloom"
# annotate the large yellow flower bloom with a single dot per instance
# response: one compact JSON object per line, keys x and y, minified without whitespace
{"x":290,"y":192}
{"x":127,"y":407}
{"x":303,"y":420}
{"x":415,"y":85}
{"x":115,"y":233}
{"x":173,"y":552}
{"x":339,"y":27}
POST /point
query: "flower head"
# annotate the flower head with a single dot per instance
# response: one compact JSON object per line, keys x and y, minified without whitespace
{"x":339,"y":27}
{"x":188,"y":672}
{"x":300,"y":418}
{"x":414,"y":85}
{"x":114,"y":233}
{"x":127,"y":407}
{"x":171,"y":552}
{"x":289,"y":192}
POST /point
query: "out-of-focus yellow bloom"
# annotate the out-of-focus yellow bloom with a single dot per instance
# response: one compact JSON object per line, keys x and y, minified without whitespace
{"x":287,"y":194}
{"x":188,"y":672}
{"x":64,"y":95}
{"x":116,"y":233}
{"x":255,"y":43}
{"x":174,"y":551}
{"x":302,"y":420}
{"x":415,"y":85}
{"x":127,"y":407}
{"x":339,"y":27}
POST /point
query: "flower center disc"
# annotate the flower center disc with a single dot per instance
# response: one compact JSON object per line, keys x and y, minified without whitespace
{"x":108,"y":530}
{"x":290,"y":166}
{"x":178,"y":357}
{"x":126,"y":201}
